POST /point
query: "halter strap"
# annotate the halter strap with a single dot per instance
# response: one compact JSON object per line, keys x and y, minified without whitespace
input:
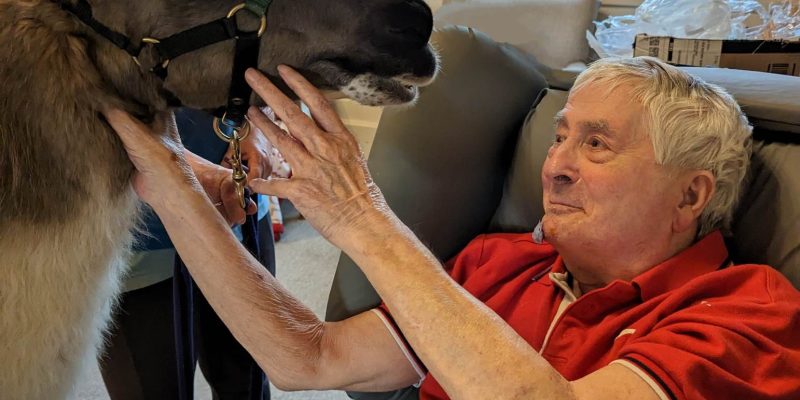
{"x":246,"y":54}
{"x":83,"y":11}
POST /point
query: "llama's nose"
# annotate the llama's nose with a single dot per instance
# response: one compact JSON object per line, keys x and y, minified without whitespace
{"x":409,"y":23}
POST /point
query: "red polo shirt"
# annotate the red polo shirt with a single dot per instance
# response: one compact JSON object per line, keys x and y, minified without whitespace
{"x":693,"y":327}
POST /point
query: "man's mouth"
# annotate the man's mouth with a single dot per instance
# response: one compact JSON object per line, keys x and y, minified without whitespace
{"x":558,"y":207}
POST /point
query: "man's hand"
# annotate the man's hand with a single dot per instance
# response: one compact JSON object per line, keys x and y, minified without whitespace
{"x":330,"y":183}
{"x":218,"y":184}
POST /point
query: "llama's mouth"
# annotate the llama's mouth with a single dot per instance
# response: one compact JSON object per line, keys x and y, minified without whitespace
{"x":372,"y":90}
{"x":343,"y":77}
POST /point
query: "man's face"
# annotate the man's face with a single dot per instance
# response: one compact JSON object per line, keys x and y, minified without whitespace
{"x":603,"y":191}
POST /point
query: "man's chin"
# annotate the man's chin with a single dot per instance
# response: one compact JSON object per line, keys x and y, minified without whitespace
{"x":556,"y":227}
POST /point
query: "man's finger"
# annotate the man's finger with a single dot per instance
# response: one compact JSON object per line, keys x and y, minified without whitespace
{"x":272,"y":187}
{"x":256,"y":169}
{"x":234,"y":213}
{"x":321,"y":110}
{"x":252,"y":207}
{"x":291,"y":149}
{"x":299,"y":124}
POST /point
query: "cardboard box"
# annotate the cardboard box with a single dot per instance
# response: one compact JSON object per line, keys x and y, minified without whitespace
{"x":774,"y":56}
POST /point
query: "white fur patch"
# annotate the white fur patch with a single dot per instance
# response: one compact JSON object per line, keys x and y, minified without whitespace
{"x":372,"y":90}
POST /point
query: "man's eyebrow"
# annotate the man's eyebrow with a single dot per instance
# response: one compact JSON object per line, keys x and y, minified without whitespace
{"x":599,"y":126}
{"x":560,"y":120}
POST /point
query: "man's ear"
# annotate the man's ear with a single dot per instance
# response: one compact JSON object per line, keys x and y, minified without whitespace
{"x":697,"y":187}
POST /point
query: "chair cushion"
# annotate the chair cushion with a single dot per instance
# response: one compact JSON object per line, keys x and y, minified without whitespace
{"x":771,"y":101}
{"x":553,"y":31}
{"x":521,"y":207}
{"x":766,"y":225}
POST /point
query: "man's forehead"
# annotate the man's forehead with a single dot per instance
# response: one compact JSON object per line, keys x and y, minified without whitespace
{"x":597,"y":109}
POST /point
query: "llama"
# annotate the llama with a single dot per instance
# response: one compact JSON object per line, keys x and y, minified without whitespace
{"x":66,"y":207}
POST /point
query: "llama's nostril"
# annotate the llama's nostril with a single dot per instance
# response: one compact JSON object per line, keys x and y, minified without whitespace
{"x":409,"y":35}
{"x":410,"y":22}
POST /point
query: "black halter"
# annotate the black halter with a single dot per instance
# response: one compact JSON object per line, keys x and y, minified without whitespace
{"x":232,"y":115}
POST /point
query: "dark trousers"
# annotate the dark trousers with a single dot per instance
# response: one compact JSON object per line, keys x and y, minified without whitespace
{"x":139,"y":362}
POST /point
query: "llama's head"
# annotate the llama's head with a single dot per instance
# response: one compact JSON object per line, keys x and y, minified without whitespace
{"x":373,"y":51}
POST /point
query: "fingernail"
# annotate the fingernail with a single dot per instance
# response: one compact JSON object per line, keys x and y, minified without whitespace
{"x":251,"y":75}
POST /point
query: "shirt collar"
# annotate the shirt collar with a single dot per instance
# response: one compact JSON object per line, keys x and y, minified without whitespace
{"x":706,"y":255}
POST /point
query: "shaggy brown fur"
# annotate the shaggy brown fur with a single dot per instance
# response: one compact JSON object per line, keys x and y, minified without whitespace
{"x":66,"y":207}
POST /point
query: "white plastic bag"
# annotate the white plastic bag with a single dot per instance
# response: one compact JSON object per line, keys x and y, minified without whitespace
{"x":784,"y":21}
{"x":698,"y":19}
{"x":706,"y":19}
{"x":748,"y":19}
{"x":701,"y":19}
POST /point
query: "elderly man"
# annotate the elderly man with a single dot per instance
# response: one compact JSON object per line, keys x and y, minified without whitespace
{"x":625,"y":292}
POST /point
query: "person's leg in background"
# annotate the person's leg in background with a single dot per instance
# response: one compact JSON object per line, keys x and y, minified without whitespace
{"x":226,"y":365}
{"x":229,"y":369}
{"x":139,"y":358}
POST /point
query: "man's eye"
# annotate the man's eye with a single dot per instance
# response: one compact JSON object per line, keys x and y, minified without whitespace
{"x":595,"y":143}
{"x":558,"y":139}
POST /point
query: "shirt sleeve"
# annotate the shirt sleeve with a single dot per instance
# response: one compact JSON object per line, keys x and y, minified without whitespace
{"x":383,"y":313}
{"x":726,"y":348}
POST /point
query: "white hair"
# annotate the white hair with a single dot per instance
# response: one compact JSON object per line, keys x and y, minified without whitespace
{"x":692,"y":125}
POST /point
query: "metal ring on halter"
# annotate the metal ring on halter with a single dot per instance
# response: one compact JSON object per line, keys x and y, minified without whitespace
{"x":245,"y":130}
{"x":149,"y":40}
{"x":240,"y":7}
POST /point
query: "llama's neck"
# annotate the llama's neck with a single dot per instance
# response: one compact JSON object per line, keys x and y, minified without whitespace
{"x":55,"y":151}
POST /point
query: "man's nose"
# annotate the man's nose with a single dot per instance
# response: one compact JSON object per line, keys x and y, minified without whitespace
{"x":561,"y":165}
{"x":408,"y":23}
